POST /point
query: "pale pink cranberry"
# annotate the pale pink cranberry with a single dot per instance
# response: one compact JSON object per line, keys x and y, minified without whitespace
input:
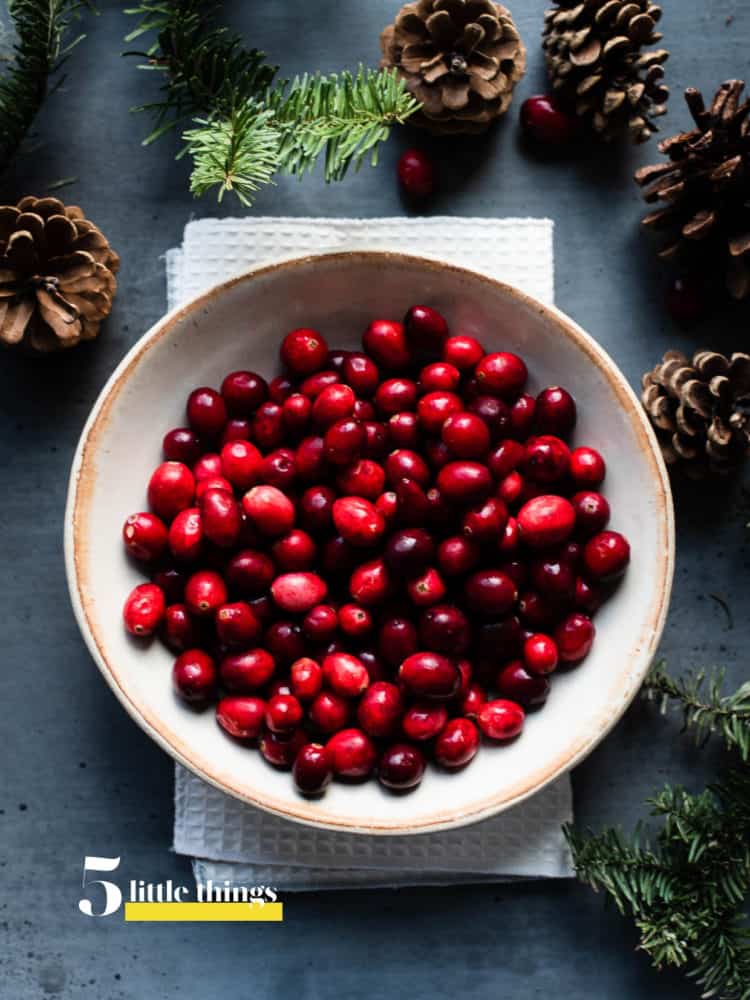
{"x":298,"y":593}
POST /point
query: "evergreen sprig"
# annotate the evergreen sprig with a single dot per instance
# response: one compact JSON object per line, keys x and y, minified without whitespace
{"x":246,"y":127}
{"x":39,"y":52}
{"x":705,"y":709}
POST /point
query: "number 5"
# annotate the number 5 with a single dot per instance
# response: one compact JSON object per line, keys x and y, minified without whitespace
{"x":112,"y":894}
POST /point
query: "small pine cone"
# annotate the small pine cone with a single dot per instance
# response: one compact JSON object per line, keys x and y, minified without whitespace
{"x":57,"y":275}
{"x":593,"y":51}
{"x":704,"y":189}
{"x":700,"y":410}
{"x":460,"y":58}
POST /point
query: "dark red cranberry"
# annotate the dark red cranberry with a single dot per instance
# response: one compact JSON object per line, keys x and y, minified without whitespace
{"x":241,"y":717}
{"x":283,"y":713}
{"x":412,"y":506}
{"x":312,"y":771}
{"x":574,"y":637}
{"x":415,"y":174}
{"x":554,"y":578}
{"x":544,"y":122}
{"x":426,"y":330}
{"x":243,"y":393}
{"x":403,"y":430}
{"x":457,"y":556}
{"x":267,"y":429}
{"x":465,"y":482}
{"x":316,"y":509}
{"x":320,"y":622}
{"x":429,"y":675}
{"x":491,"y":592}
{"x":361,"y":373}
{"x":486,"y":522}
{"x":397,"y":640}
{"x":466,"y":434}
{"x":444,"y":628}
{"x":406,"y":464}
{"x":282,"y":751}
{"x":380,"y":710}
{"x":181,"y":445}
{"x":494,"y":413}
{"x":352,"y":753}
{"x":194,"y":676}
{"x":501,"y":719}
{"x":246,"y":672}
{"x":515,"y":682}
{"x":536,"y":611}
{"x":221,"y":518}
{"x":588,"y":596}
{"x":280,"y":389}
{"x":400,"y":767}
{"x":587,"y":468}
{"x":376,"y":439}
{"x":236,"y":429}
{"x":329,"y":712}
{"x":343,"y":441}
{"x":498,"y":641}
{"x":309,"y":459}
{"x":385,"y":342}
{"x":179,"y":627}
{"x":279,"y":469}
{"x":424,"y":720}
{"x":285,"y":642}
{"x":606,"y":555}
{"x":339,"y":557}
{"x":206,"y":412}
{"x":205,"y":591}
{"x":315,"y":384}
{"x":394,"y":395}
{"x":426,"y":589}
{"x":304,"y":351}
{"x":457,"y":744}
{"x":462,"y":351}
{"x":296,"y":413}
{"x":249,"y":573}
{"x":555,"y":411}
{"x":522,"y":417}
{"x":502,"y":374}
{"x":409,"y":551}
{"x":472,"y":700}
{"x":546,"y":459}
{"x":540,"y":654}
{"x":592,"y":513}
{"x":237,"y":624}
{"x":242,"y":464}
{"x":170,"y":489}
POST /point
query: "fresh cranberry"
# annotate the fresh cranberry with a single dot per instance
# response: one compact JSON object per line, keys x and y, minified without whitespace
{"x":357,"y":521}
{"x":246,"y":672}
{"x":181,"y":445}
{"x":574,"y":637}
{"x":296,"y":412}
{"x":206,"y":412}
{"x":457,"y":744}
{"x":283,"y":714}
{"x":555,"y":411}
{"x":237,"y":624}
{"x":304,"y":351}
{"x":172,"y":582}
{"x":170,"y":489}
{"x":145,"y":536}
{"x":426,"y":330}
{"x":179,"y":628}
{"x":354,"y":620}
{"x":546,"y":521}
{"x":606,"y":555}
{"x":511,"y":489}
{"x":497,"y":641}
{"x":316,"y":509}
{"x":250,"y":572}
{"x":466,"y":434}
{"x":429,"y":675}
{"x":400,"y":767}
{"x":334,"y":403}
{"x":280,"y":389}
{"x":364,"y":478}
{"x":501,"y":719}
{"x":416,"y":174}
{"x":320,"y":622}
{"x":472,"y":700}
{"x":352,"y":753}
{"x":544,"y":122}
{"x":424,"y":720}
{"x":315,"y":384}
{"x":494,"y":413}
{"x":285,"y":642}
{"x":587,"y":468}
{"x":588,"y":596}
{"x":457,"y":556}
{"x":434,"y":408}
{"x":394,"y":395}
{"x":536,"y":611}
{"x":465,"y":482}
{"x":305,"y":678}
{"x":194,"y":676}
{"x":406,"y":464}
{"x":221,"y":518}
{"x":526,"y":689}
{"x":540,"y":654}
{"x":282,"y":751}
{"x":491,"y":592}
{"x":208,"y":466}
{"x":462,"y":351}
{"x":361,"y":373}
{"x":312,"y":770}
{"x":546,"y":459}
{"x":444,"y":628}
{"x":502,"y":374}
{"x":426,"y":589}
{"x":403,"y":430}
{"x":243,"y":393}
{"x":345,"y":674}
{"x":380,"y":710}
{"x":376,"y":439}
{"x":236,"y":429}
{"x":343,"y":441}
{"x":144,"y":609}
{"x":397,"y":640}
{"x":522,"y":416}
{"x":554,"y":578}
{"x":241,"y":717}
{"x":486,"y":522}
{"x":269,"y":510}
{"x":339,"y":557}
{"x":409,"y":551}
{"x":439,"y":375}
{"x":212,"y":483}
{"x":511,"y":537}
{"x":440,"y":511}
{"x":412,"y":506}
{"x":205,"y":591}
{"x":309,"y":458}
{"x":294,"y":552}
{"x":297,"y":593}
{"x":385,"y":342}
{"x":592,"y":513}
{"x":279,"y":469}
{"x":329,"y":712}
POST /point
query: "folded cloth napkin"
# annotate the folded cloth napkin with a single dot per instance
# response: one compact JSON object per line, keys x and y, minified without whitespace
{"x":232,"y":841}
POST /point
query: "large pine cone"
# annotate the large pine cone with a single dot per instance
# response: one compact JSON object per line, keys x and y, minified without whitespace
{"x":700,"y":410}
{"x":460,"y":58}
{"x":57,"y":275}
{"x":593,"y":51}
{"x":704,"y":188}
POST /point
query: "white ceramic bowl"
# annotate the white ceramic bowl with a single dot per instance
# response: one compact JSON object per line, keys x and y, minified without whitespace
{"x":239,"y":325}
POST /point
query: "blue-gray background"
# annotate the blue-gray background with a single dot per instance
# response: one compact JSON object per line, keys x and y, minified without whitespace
{"x":78,"y":776}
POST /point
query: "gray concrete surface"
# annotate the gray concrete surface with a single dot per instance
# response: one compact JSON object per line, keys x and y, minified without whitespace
{"x":78,"y":777}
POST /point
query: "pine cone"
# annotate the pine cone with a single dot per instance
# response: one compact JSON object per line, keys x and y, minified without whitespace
{"x":705,"y":188}
{"x":594,"y":60}
{"x":460,"y":58}
{"x":701,"y":410}
{"x":57,"y":275}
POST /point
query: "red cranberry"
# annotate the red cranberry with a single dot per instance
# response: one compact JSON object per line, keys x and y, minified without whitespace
{"x":279,"y":469}
{"x":170,"y":489}
{"x":406,"y":464}
{"x":221,"y":517}
{"x":181,"y":445}
{"x":606,"y":555}
{"x":380,"y":710}
{"x":540,"y":654}
{"x":280,"y":389}
{"x":361,"y":373}
{"x":426,"y":329}
{"x":501,"y":719}
{"x":511,"y":489}
{"x":345,"y":674}
{"x":208,"y":466}
{"x":294,"y":552}
{"x":445,"y":629}
{"x":312,"y":771}
{"x":434,"y":408}
{"x":554,"y":578}
{"x":364,"y":478}
{"x":415,"y":174}
{"x":457,"y":556}
{"x":465,"y":482}
{"x":546,"y":459}
{"x":497,"y":641}
{"x":385,"y":342}
{"x":248,"y":671}
{"x":397,"y":640}
{"x":282,"y":751}
{"x":394,"y":395}
{"x":439,"y":375}
{"x":357,"y":521}
{"x":486,"y":522}
{"x":592,"y":513}
{"x":354,"y":620}
{"x":429,"y":675}
{"x":305,"y":678}
{"x":206,"y":412}
{"x":412,"y":505}
{"x":376,"y":439}
{"x":269,"y":510}
{"x":426,"y":589}
{"x":212,"y":483}
{"x":466,"y":435}
{"x":250,"y":572}
{"x":144,"y":609}
{"x":545,"y":521}
{"x":329,"y":712}
{"x":491,"y":592}
{"x":205,"y":591}
{"x":472,"y":700}
{"x":243,"y":393}
{"x":516,"y":683}
{"x":304,"y":351}
{"x":237,"y":624}
{"x":179,"y":627}
{"x":320,"y":622}
{"x":343,"y":441}
{"x":457,"y":744}
{"x":403,"y":430}
{"x":587,"y":468}
{"x":241,"y":717}
{"x":309,"y":459}
{"x":285,"y":642}
{"x":352,"y":753}
{"x":283,"y":713}
{"x":297,"y":593}
{"x":401,"y":766}
{"x":463,"y":352}
{"x":316,"y":509}
{"x":236,"y":429}
{"x":502,"y":374}
{"x":588,"y":597}
{"x":335,"y":402}
{"x":145,"y":536}
{"x":494,"y":413}
{"x":194,"y":676}
{"x":409,"y":551}
{"x":339,"y":557}
{"x":536,"y":611}
{"x":522,"y":416}
{"x":267,"y":428}
{"x":424,"y":720}
{"x":555,"y":411}
{"x":315,"y":384}
{"x":574,"y":637}
{"x":296,"y":412}
{"x":544,"y":122}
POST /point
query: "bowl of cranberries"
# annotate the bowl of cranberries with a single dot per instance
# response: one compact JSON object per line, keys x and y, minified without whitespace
{"x":370,"y":541}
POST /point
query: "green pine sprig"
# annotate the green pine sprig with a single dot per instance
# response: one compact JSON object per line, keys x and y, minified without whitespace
{"x":41,"y":48}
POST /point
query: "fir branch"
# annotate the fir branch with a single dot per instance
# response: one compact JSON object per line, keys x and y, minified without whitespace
{"x":41,"y":49}
{"x":705,"y":709}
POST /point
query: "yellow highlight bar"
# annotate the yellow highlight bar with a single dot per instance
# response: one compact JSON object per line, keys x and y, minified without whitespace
{"x":273,"y":912}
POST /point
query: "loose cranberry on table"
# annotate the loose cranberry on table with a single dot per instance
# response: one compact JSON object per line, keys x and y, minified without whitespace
{"x":546,"y":123}
{"x":416,"y":174}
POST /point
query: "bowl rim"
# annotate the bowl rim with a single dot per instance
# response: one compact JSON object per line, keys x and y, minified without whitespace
{"x":80,"y":496}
